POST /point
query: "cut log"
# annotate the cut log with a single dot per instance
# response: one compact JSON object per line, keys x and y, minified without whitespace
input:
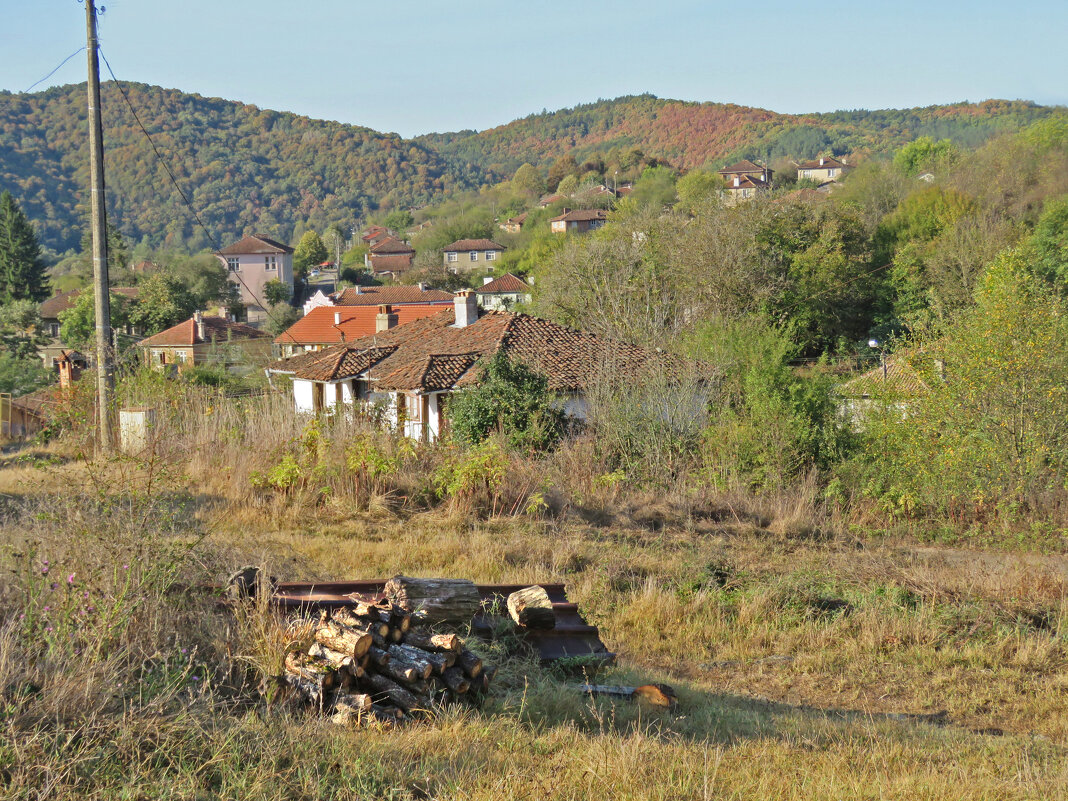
{"x":406,"y":700}
{"x":353,"y":702}
{"x":347,"y":617}
{"x":311,"y":692}
{"x":434,"y":600}
{"x":439,"y":659}
{"x":396,"y":635}
{"x":421,"y":659}
{"x":531,"y":608}
{"x":402,"y":670}
{"x":429,"y":641}
{"x":313,"y":670}
{"x":399,"y":619}
{"x":455,"y":680}
{"x":661,"y":695}
{"x":335,"y":659}
{"x":379,"y":656}
{"x":470,"y":663}
{"x":344,"y":639}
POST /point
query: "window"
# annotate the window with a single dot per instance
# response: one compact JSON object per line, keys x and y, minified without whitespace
{"x":450,"y":257}
{"x":473,"y":255}
{"x":53,"y":329}
{"x":490,"y":255}
{"x":180,"y":356}
{"x":269,"y":263}
{"x":232,"y":264}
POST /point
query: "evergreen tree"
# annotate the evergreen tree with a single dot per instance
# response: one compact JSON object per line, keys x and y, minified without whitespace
{"x":22,"y":272}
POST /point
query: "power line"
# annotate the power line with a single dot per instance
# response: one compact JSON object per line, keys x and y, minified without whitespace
{"x":53,"y":72}
{"x":181,"y":192}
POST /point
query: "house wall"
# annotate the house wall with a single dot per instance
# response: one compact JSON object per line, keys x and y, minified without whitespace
{"x":464,"y":263}
{"x":254,"y":273}
{"x":820,"y":174}
{"x":501,"y":301}
{"x":302,"y":395}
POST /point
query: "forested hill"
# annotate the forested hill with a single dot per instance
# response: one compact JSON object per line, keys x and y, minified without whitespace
{"x":247,"y":169}
{"x":242,"y":166}
{"x":708,"y":134}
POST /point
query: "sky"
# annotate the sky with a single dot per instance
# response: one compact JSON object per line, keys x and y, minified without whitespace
{"x":417,"y":67}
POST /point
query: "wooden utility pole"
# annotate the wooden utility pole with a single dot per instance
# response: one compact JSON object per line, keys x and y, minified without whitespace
{"x":105,"y":371}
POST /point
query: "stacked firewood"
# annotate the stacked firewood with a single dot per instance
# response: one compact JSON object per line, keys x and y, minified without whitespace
{"x":371,"y":661}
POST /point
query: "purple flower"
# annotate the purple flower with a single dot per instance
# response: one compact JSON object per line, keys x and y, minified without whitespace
{"x":185,"y":650}
{"x":45,"y":563}
{"x":196,"y":678}
{"x":48,"y":609}
{"x":54,"y":586}
{"x":48,"y":629}
{"x":125,"y":567}
{"x":70,"y":579}
{"x":44,"y":570}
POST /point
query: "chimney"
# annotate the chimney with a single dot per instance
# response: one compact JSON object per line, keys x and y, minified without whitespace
{"x":466,"y":306}
{"x":487,"y":280}
{"x":821,"y":161}
{"x":198,"y":318}
{"x":337,"y":318}
{"x":737,"y":180}
{"x":68,"y":371}
{"x":385,"y":319}
{"x":423,"y":286}
{"x":359,"y":289}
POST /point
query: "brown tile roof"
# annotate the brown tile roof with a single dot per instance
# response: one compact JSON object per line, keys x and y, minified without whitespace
{"x":548,"y":200}
{"x":473,"y":244}
{"x":392,"y":245}
{"x":431,"y":351}
{"x":186,"y":333}
{"x":374,"y":232}
{"x":581,"y":215}
{"x":39,"y":402}
{"x":747,"y":182}
{"x":331,"y":364}
{"x":506,"y":283}
{"x":519,"y":219}
{"x":828,"y":163}
{"x":743,"y":166}
{"x":51,"y":308}
{"x":394,"y":295}
{"x":901,"y":379}
{"x":390,"y":263}
{"x":257,"y":243}
{"x":317,"y":327}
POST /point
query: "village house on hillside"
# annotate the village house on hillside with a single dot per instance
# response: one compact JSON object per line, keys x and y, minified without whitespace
{"x":390,"y":257}
{"x":52,"y":353}
{"x":823,"y":170}
{"x":745,"y":180}
{"x":410,"y":371}
{"x":578,"y":221}
{"x":466,"y":255}
{"x":377,"y":295}
{"x":329,"y":325}
{"x":253,"y":262}
{"x":206,"y":340}
{"x":502,"y":293}
{"x":375,"y":234}
{"x":514,"y":225}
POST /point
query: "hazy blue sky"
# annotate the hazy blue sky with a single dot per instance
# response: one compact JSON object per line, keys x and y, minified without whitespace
{"x":414,"y":67}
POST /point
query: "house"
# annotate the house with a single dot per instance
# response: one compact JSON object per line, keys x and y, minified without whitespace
{"x":389,"y":257}
{"x":548,"y":200}
{"x":743,"y":188}
{"x":375,"y":234}
{"x":410,"y":371}
{"x":926,"y":176}
{"x":578,"y":221}
{"x":377,"y":295}
{"x":822,"y":170}
{"x":206,"y":340}
{"x":514,"y":225}
{"x":747,"y":169}
{"x":51,"y":309}
{"x":329,"y":325}
{"x":466,"y":255}
{"x":897,"y":381}
{"x":502,"y":293}
{"x":27,"y":414}
{"x":253,"y":262}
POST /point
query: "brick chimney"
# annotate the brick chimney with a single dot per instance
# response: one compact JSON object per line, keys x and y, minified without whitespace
{"x":385,"y":319}
{"x":68,"y":371}
{"x":198,"y":319}
{"x":466,"y":305}
{"x":337,"y":318}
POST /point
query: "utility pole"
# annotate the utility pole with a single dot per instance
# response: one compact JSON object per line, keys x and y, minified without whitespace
{"x":105,"y":371}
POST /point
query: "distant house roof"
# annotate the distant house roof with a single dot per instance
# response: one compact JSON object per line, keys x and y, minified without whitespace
{"x":507,"y":283}
{"x":320,"y":327}
{"x":50,"y":309}
{"x":40,"y":401}
{"x":829,"y":162}
{"x":186,"y":333}
{"x":392,"y":245}
{"x":900,"y":378}
{"x":395,"y":295}
{"x":390,"y":262}
{"x":432,"y":354}
{"x":548,"y":200}
{"x":473,"y":244}
{"x":253,"y":245}
{"x":581,"y":215}
{"x":518,"y":219}
{"x":743,"y":166}
{"x":747,"y":182}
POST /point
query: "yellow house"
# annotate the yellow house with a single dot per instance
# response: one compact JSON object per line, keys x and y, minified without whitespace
{"x":821,"y":170}
{"x":205,"y":340}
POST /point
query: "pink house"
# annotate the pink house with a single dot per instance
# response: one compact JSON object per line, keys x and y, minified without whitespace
{"x":253,"y":262}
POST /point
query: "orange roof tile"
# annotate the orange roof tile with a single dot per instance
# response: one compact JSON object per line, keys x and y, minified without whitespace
{"x":216,"y":329}
{"x":395,"y":295}
{"x":506,"y":283}
{"x":319,"y":326}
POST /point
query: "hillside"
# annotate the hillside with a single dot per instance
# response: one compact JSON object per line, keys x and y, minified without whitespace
{"x":246,"y":168}
{"x":696,"y":134}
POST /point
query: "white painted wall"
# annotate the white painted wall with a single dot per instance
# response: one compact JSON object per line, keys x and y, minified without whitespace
{"x":302,"y":395}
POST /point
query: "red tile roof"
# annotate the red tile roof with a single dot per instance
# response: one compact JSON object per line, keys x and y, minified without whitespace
{"x":332,"y":363}
{"x":392,"y":245}
{"x":743,"y":166}
{"x":506,"y":283}
{"x":51,"y":308}
{"x":257,"y":243}
{"x":432,"y":351}
{"x":395,"y":295}
{"x":548,"y":200}
{"x":473,"y":244}
{"x":900,"y":379}
{"x":317,"y":327}
{"x":390,"y":263}
{"x":828,"y":163}
{"x":747,"y":182}
{"x":581,"y":215}
{"x":519,"y":219}
{"x":216,"y":329}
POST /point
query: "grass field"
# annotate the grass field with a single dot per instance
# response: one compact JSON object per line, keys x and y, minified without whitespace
{"x":810,"y":663}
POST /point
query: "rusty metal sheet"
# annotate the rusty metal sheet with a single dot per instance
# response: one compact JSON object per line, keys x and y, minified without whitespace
{"x":573,"y":637}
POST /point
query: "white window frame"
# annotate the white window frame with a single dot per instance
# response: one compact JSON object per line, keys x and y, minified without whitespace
{"x":473,"y":255}
{"x":491,"y":255}
{"x":270,"y":263}
{"x":451,"y":256}
{"x":233,"y":264}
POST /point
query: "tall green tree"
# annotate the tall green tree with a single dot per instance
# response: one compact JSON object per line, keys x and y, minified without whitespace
{"x":78,"y":323}
{"x":22,"y":272}
{"x":310,"y":252}
{"x":162,"y":301}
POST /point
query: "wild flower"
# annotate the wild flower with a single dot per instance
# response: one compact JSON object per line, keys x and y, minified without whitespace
{"x":70,"y":578}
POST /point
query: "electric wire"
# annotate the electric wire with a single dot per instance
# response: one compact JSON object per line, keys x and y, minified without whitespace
{"x":53,"y":72}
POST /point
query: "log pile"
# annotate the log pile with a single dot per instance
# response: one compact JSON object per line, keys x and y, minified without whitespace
{"x":369,"y":662}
